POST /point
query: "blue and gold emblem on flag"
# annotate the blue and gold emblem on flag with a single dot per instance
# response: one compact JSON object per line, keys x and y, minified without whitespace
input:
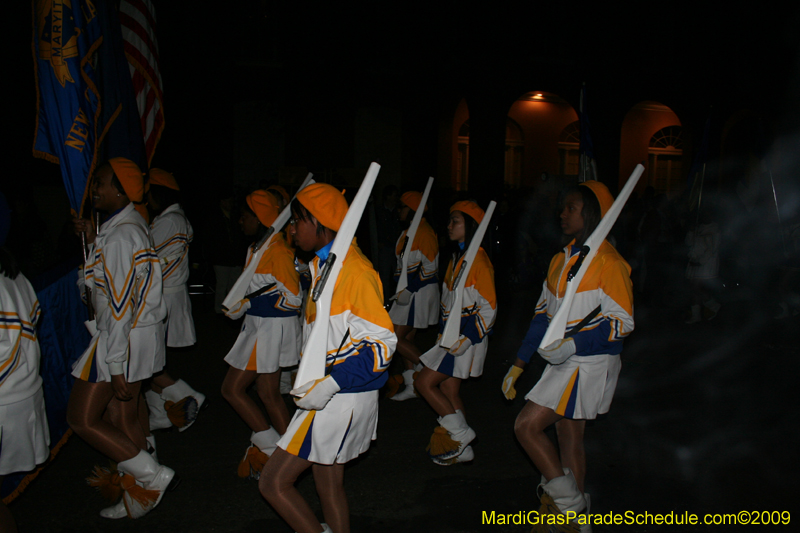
{"x":66,"y":35}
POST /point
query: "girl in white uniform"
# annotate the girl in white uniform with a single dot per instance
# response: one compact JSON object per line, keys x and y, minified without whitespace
{"x":440,"y":380}
{"x":421,"y":309}
{"x":171,"y":234}
{"x":337,"y":418}
{"x":24,"y":435}
{"x":269,"y":339}
{"x":581,"y":376}
{"x":124,"y":278}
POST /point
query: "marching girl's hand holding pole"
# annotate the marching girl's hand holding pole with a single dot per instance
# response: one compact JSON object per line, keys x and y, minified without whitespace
{"x":270,"y":335}
{"x":347,"y":350}
{"x":588,"y":289}
{"x":468,"y":310}
{"x":235,"y":302}
{"x":416,"y":304}
{"x":402,"y":282}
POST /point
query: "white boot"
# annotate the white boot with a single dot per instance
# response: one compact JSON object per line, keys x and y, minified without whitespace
{"x":142,"y":472}
{"x":466,"y":456}
{"x":266,"y":441}
{"x":177,"y":392}
{"x":565,"y":494}
{"x":263,"y":445}
{"x":696,"y":315}
{"x":408,"y":392}
{"x":459,"y":431}
{"x":158,"y":415}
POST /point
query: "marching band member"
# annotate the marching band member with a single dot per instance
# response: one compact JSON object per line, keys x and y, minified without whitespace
{"x":337,"y":417}
{"x":124,"y":277}
{"x":440,"y":380}
{"x":423,"y":283}
{"x":24,"y":434}
{"x":269,"y":338}
{"x":172,"y":233}
{"x":581,"y":376}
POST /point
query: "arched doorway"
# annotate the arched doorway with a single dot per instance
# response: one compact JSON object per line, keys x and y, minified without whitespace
{"x":664,"y":161}
{"x":541,"y":118}
{"x":649,"y":133}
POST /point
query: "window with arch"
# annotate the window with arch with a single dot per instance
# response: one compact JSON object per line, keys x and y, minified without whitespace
{"x":665,"y":153}
{"x":569,"y":149}
{"x":515,"y":147}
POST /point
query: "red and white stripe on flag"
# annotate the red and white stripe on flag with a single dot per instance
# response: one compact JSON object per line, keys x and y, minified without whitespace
{"x":138,"y":19}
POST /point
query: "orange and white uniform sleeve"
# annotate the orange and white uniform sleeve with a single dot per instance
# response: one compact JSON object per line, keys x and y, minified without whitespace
{"x":275,"y":267}
{"x":479,"y":308}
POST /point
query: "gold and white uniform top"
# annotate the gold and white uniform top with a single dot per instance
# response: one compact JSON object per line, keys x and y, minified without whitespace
{"x":361,"y":338}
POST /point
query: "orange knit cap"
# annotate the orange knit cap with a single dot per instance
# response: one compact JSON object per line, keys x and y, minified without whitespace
{"x":602,"y":194}
{"x":163,"y":178}
{"x":264,"y":205}
{"x":280,"y":190}
{"x":412,"y":199}
{"x":470,"y":208}
{"x":132,"y":181}
{"x":326,"y":203}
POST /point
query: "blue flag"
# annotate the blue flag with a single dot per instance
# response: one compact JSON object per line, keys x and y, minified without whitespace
{"x":66,"y":36}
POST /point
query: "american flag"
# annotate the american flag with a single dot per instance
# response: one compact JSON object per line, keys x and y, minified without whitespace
{"x":138,"y":20}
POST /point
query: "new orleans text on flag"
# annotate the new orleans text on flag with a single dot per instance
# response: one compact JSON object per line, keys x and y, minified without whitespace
{"x":138,"y":20}
{"x":66,"y":35}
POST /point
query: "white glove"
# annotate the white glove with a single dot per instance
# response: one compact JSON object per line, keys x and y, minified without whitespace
{"x":510,"y":380}
{"x":558,"y":351}
{"x":403,"y":297}
{"x":315,"y":394}
{"x":238,"y":310}
{"x":460,"y":346}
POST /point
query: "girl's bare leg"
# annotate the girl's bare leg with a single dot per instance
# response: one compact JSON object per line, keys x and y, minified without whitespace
{"x":234,"y":389}
{"x":529,"y":428}
{"x":87,"y":402}
{"x":570,"y":442}
{"x":427,"y":383}
{"x":126,"y":416}
{"x":406,"y":346}
{"x":329,"y":480}
{"x":269,"y":390}
{"x":450,"y":388}
{"x":277,"y":486}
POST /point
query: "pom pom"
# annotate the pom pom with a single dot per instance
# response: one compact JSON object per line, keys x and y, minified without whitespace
{"x":441,"y":443}
{"x":393,"y":385}
{"x":182,"y":413}
{"x":138,"y":500}
{"x":549,"y":507}
{"x":253,"y":463}
{"x":107,"y":482}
